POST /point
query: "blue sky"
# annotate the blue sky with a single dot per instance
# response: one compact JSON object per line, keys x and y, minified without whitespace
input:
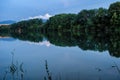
{"x":23,"y":9}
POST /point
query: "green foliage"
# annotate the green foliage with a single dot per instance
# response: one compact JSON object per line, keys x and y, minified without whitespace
{"x":85,"y":17}
{"x":33,"y":24}
{"x":4,"y":30}
{"x":114,"y":13}
{"x":60,"y":22}
{"x":101,"y":17}
{"x":115,"y":19}
{"x":114,"y":7}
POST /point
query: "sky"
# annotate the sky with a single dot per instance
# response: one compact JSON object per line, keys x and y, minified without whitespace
{"x":28,"y":9}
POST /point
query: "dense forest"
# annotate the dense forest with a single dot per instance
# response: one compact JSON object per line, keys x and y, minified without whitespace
{"x":95,"y":29}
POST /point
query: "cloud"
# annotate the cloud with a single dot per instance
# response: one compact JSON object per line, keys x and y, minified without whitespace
{"x":46,"y":16}
{"x":46,"y":43}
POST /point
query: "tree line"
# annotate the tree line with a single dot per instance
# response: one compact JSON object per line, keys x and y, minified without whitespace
{"x":94,"y":19}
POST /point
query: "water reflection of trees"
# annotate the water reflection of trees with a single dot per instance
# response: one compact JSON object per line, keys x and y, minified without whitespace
{"x":87,"y":40}
{"x":30,"y":36}
{"x":91,"y":40}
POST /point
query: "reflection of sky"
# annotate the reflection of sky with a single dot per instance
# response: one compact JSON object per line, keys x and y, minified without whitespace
{"x":22,"y":9}
{"x":67,"y":61}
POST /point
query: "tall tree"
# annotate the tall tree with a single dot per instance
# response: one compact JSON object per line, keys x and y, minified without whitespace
{"x":114,"y":12}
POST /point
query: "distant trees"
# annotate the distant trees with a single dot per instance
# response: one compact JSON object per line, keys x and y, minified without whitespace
{"x":114,"y":8}
{"x":101,"y":17}
{"x":4,"y":28}
{"x":85,"y":20}
{"x":28,"y":25}
{"x":114,"y":12}
{"x":85,"y":17}
{"x":60,"y":22}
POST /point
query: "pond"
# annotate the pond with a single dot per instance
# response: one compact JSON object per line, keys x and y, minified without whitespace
{"x":58,"y":58}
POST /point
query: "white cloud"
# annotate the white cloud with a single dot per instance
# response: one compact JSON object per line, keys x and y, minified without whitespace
{"x":46,"y":43}
{"x":46,"y":16}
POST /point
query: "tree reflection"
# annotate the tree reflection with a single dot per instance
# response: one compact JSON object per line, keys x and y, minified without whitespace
{"x":86,"y":40}
{"x":91,"y":40}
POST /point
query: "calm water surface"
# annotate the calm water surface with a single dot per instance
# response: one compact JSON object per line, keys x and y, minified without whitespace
{"x":24,"y":60}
